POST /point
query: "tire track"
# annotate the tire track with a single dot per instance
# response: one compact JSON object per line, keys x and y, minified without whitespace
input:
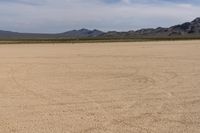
{"x":22,"y":87}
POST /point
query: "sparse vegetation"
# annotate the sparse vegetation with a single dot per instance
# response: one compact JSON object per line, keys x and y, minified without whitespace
{"x":93,"y":40}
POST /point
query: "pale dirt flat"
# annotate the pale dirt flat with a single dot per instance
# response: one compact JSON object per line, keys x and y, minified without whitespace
{"x":140,"y":87}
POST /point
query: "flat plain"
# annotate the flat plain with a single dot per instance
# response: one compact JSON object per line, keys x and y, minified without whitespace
{"x":133,"y":87}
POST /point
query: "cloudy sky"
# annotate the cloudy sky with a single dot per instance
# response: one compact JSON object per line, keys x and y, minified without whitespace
{"x":62,"y":15}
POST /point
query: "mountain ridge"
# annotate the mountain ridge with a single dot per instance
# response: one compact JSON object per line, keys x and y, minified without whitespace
{"x":187,"y":29}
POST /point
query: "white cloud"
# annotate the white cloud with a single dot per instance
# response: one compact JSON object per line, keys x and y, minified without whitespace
{"x":62,"y":15}
{"x":185,"y":6}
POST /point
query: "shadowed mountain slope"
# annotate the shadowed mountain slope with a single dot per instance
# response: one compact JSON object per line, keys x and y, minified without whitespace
{"x":188,"y":29}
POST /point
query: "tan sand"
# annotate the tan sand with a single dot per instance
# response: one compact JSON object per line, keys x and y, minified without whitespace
{"x":141,"y":87}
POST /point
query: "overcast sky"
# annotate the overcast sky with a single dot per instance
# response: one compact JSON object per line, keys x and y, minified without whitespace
{"x":62,"y":15}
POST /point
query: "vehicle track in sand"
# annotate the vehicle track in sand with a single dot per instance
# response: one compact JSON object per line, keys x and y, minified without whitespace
{"x":141,"y":87}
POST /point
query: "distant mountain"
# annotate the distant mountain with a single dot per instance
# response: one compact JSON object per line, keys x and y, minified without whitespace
{"x":17,"y":35}
{"x":74,"y":34}
{"x":7,"y":33}
{"x":188,"y":29}
{"x":82,"y":33}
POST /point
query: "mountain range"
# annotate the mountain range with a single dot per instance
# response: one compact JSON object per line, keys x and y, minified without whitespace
{"x":188,"y":29}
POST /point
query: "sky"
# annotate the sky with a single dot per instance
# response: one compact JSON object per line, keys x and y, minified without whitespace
{"x":55,"y":16}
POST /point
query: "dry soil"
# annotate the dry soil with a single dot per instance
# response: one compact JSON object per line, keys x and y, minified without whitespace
{"x":140,"y":87}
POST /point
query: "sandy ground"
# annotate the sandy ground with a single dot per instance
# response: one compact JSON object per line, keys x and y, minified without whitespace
{"x":146,"y":87}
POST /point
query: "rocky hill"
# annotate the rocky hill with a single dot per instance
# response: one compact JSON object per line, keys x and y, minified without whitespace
{"x":188,"y":29}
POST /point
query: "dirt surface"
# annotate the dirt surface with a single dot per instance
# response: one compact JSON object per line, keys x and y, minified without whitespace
{"x":145,"y":87}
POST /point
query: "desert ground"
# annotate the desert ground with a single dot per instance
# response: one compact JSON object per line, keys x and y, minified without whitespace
{"x":133,"y":87}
